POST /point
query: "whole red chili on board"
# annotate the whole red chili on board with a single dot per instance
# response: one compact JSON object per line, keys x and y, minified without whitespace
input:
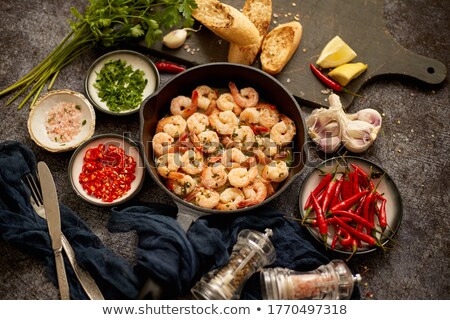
{"x":330,"y":83}
{"x":169,"y":67}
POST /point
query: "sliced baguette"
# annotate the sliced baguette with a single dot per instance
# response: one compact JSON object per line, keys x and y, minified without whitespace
{"x":226,"y":21}
{"x":279,"y":45}
{"x":259,"y":13}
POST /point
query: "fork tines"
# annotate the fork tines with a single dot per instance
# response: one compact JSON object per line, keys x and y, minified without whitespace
{"x":34,"y":187}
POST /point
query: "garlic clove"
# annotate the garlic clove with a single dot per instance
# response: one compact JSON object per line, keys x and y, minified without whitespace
{"x":358,"y":135}
{"x":176,"y":38}
{"x":371,"y":116}
{"x":329,"y":127}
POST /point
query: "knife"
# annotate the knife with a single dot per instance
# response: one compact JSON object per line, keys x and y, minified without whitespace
{"x":54,"y":225}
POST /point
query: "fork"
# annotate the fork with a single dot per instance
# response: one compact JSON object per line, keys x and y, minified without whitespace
{"x":88,"y":284}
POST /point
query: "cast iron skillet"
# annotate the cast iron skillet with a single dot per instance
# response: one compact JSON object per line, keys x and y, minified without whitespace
{"x":218,"y":75}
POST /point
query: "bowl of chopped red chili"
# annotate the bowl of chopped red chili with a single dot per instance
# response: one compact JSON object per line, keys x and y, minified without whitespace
{"x":107,"y":170}
{"x":351,"y":205}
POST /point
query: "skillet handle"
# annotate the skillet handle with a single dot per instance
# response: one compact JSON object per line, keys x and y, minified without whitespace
{"x":185,"y":220}
{"x":187,"y":216}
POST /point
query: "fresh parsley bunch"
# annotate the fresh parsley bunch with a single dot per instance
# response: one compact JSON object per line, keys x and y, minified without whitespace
{"x":105,"y":23}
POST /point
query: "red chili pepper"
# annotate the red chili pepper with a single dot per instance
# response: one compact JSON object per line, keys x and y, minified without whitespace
{"x":345,"y":239}
{"x":382,"y":219}
{"x":169,"y":67}
{"x":364,"y":175}
{"x":333,"y":243}
{"x":330,"y":83}
{"x":357,"y":234}
{"x":337,"y":191}
{"x":259,"y":129}
{"x":331,"y":220}
{"x":323,"y":227}
{"x":347,"y":204}
{"x":346,"y":190}
{"x":355,"y":183}
{"x":367,"y":203}
{"x":328,"y":193}
{"x":310,"y":208}
{"x":356,"y":218}
{"x":322,"y":184}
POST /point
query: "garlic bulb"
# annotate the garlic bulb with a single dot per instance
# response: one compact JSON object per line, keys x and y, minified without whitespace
{"x":331,"y":127}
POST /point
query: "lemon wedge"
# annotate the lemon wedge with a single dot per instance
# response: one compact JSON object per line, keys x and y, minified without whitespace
{"x":347,"y":72}
{"x":335,"y":53}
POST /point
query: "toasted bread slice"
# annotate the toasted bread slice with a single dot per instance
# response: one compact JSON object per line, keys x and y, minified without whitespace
{"x":226,"y":21}
{"x":260,"y":13}
{"x":279,"y":45}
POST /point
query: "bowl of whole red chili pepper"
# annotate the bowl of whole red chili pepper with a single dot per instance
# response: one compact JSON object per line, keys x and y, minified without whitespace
{"x":106,"y":170}
{"x":350,"y":205}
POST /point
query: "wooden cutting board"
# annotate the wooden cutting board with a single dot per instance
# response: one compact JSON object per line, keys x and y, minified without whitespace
{"x":359,"y":23}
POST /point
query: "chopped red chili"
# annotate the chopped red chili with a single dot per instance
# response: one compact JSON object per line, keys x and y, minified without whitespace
{"x":107,"y":172}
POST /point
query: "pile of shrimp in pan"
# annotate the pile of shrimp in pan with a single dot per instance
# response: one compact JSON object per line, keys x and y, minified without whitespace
{"x":223,"y":149}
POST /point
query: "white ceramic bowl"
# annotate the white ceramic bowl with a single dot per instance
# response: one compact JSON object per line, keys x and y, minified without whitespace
{"x":38,"y":118}
{"x":133,"y":58}
{"x":77,"y":161}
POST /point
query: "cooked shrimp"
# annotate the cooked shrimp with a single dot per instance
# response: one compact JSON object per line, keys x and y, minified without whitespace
{"x":275,"y":171}
{"x":181,"y":184}
{"x":250,"y":116}
{"x":244,"y":136}
{"x":203,"y":97}
{"x":269,"y":115}
{"x":209,"y":141}
{"x":197,"y":122}
{"x":173,"y":126}
{"x":167,"y":163}
{"x":192,"y":162}
{"x":182,"y":106}
{"x":232,"y":158}
{"x":229,"y":199}
{"x":162,"y":143}
{"x":267,"y":145}
{"x":223,"y":121}
{"x":242,"y":177}
{"x":246,"y":97}
{"x":254,"y":193}
{"x":214,"y":176}
{"x":283,"y":132}
{"x":207,"y":198}
{"x":226,"y":102}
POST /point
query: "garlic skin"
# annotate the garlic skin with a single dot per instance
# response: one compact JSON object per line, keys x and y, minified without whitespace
{"x":331,"y":127}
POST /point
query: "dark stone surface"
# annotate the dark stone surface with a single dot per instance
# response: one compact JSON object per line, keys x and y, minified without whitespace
{"x":413,"y":147}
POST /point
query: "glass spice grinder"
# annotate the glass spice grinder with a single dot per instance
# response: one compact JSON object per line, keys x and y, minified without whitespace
{"x":252,"y":251}
{"x":333,"y":281}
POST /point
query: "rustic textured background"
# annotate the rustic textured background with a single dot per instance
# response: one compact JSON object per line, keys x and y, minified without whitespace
{"x":413,"y":147}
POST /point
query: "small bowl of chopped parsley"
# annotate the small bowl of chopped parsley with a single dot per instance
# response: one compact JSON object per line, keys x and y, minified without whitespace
{"x":119,"y":81}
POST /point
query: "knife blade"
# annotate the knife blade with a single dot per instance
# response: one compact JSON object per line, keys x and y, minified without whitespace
{"x":51,"y":205}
